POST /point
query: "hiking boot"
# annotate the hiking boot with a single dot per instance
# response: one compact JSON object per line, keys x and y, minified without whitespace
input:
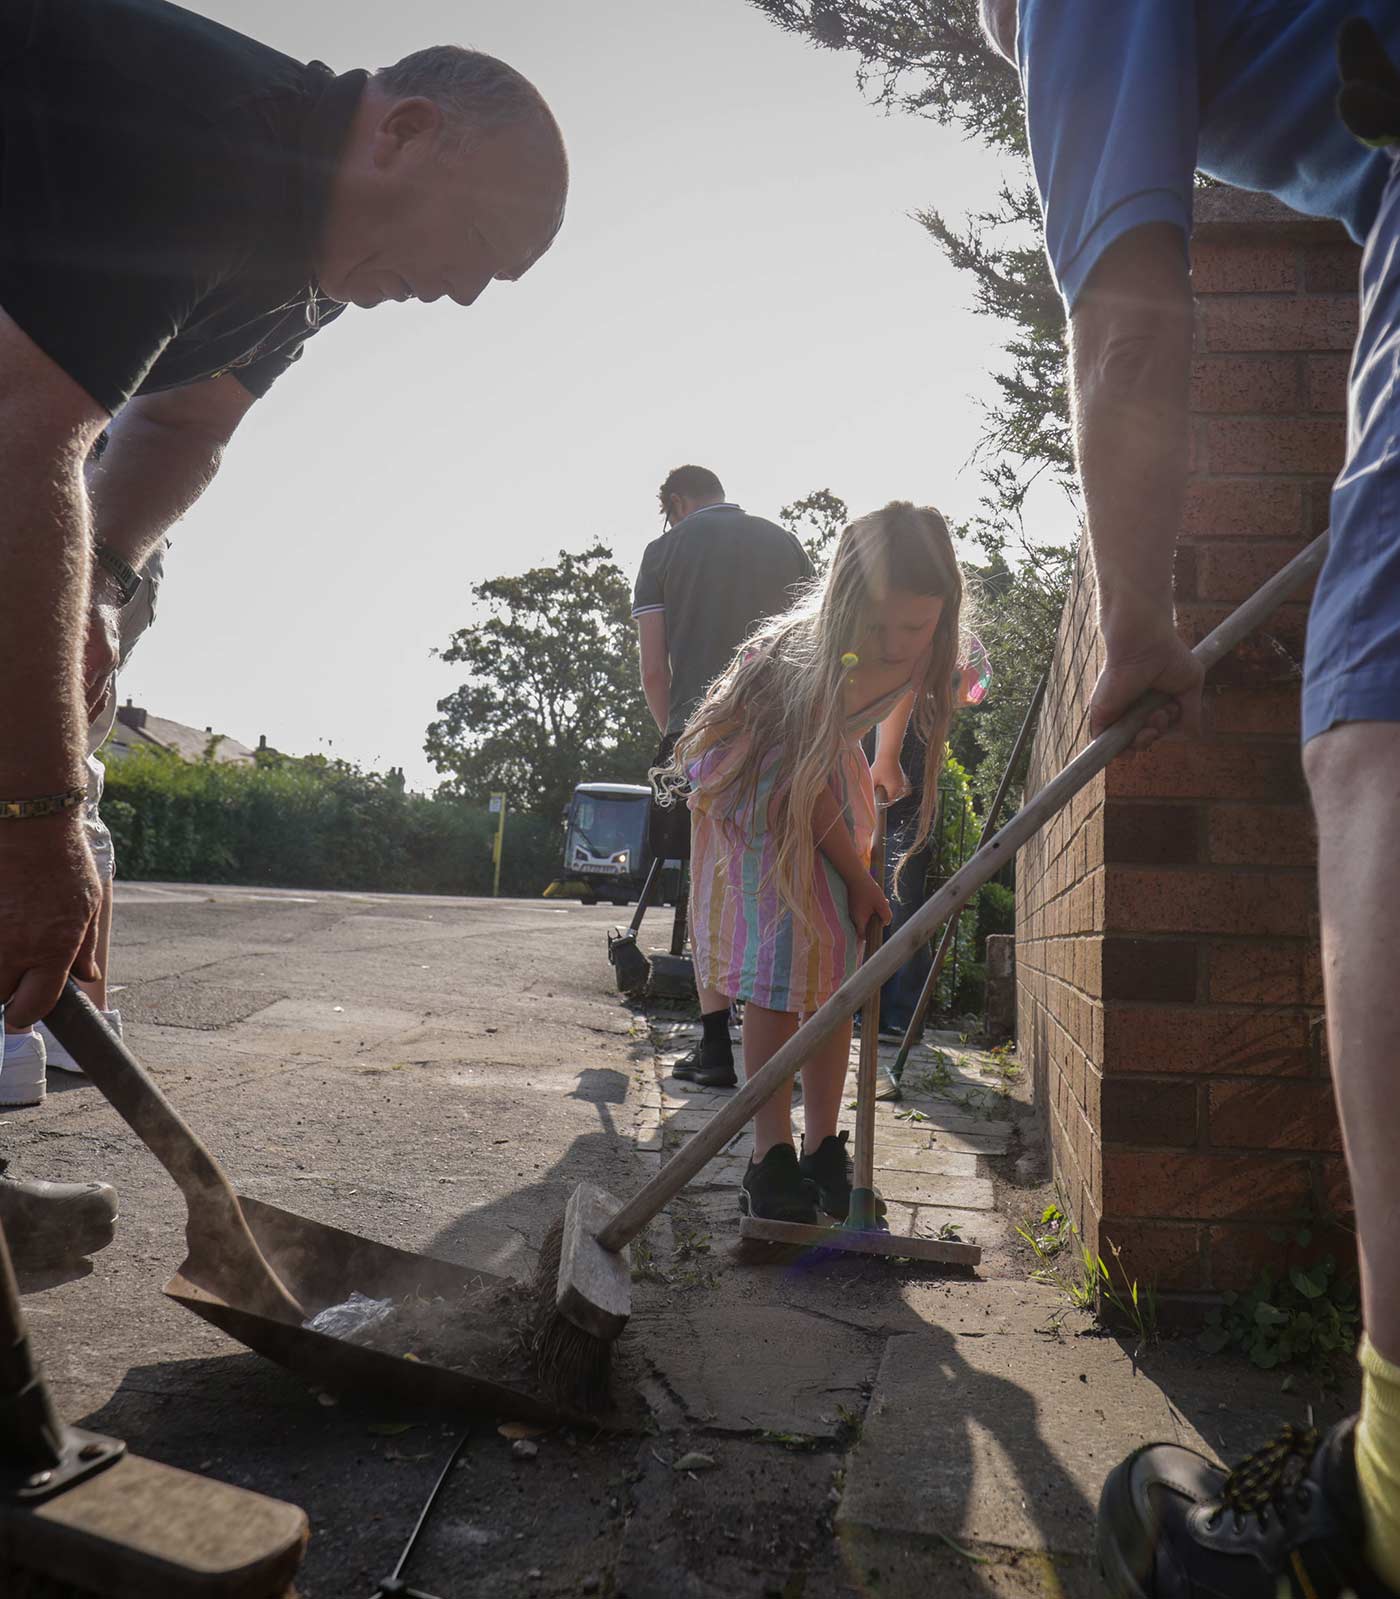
{"x":59,"y":1057}
{"x":22,"y":1071}
{"x":709,"y":1069}
{"x":1284,"y":1524}
{"x":774,"y":1189}
{"x":829,"y":1168}
{"x":49,"y":1224}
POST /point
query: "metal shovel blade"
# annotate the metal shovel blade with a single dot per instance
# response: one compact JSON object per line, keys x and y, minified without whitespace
{"x":322,"y":1265}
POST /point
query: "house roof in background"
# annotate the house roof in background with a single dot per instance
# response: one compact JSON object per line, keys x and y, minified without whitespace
{"x":135,"y":727}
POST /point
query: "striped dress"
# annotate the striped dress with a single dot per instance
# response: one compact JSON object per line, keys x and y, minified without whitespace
{"x":746,"y":943}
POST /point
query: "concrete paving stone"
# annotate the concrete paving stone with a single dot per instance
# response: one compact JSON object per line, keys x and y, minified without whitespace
{"x":983,"y":1228}
{"x":756,"y":1366}
{"x":948,"y":1193}
{"x":997,"y":1440}
{"x":690,"y":1120}
{"x":178,"y":1002}
{"x":933,"y":1162}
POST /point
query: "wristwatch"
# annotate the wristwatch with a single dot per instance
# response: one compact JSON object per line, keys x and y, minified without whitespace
{"x":122,"y":573}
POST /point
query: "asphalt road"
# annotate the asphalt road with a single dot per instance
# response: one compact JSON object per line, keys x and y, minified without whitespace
{"x":439,"y":1074}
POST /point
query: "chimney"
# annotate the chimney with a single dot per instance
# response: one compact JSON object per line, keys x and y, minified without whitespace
{"x":132,"y":716}
{"x":262,"y":741}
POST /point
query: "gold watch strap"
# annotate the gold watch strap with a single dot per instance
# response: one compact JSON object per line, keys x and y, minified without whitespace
{"x":24,"y":810}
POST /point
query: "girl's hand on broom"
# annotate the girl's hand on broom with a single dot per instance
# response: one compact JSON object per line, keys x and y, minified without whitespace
{"x":866,"y":900}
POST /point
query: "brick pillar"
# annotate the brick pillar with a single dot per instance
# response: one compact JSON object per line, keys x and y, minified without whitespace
{"x":1170,"y":986}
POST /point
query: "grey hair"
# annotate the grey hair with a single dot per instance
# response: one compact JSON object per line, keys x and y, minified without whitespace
{"x":476,"y":92}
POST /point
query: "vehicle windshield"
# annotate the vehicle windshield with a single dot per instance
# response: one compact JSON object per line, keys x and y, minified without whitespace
{"x":607,"y":826}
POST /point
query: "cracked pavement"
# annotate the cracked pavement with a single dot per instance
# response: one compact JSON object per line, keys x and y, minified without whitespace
{"x":438,"y":1075}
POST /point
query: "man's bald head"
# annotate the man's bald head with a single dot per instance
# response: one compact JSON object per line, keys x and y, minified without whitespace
{"x":454,"y":173}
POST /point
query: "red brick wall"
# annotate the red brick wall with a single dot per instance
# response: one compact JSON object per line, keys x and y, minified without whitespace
{"x":1170,"y":989}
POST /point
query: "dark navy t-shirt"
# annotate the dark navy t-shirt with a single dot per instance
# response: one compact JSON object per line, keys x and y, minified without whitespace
{"x":1126,"y":99}
{"x":163,"y":181}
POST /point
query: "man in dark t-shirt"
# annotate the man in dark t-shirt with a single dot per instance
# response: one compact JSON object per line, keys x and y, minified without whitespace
{"x":702,"y":588}
{"x":181,"y":208}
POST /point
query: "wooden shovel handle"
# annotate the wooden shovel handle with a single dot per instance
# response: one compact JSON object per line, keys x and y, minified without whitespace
{"x":216,"y":1231}
{"x":785,"y":1062}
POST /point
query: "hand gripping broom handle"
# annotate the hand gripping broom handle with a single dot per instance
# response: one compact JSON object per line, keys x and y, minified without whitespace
{"x":703,"y":1146}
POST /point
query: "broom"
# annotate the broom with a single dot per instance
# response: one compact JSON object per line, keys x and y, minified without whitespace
{"x":582,"y":1286}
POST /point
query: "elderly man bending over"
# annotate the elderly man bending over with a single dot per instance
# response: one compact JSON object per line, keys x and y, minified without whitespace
{"x":181,"y":208}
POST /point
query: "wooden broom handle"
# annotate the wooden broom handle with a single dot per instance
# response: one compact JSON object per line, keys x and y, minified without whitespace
{"x":785,"y":1062}
{"x":864,"y":1159}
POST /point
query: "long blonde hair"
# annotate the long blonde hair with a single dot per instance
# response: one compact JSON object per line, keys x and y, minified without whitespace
{"x":783,"y":693}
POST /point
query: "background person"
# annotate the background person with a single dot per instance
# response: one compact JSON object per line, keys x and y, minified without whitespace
{"x":702,"y":588}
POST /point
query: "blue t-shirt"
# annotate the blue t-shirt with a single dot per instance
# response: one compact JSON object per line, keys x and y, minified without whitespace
{"x":1125,"y":99}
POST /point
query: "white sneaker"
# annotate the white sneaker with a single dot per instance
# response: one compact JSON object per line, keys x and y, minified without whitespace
{"x":58,"y":1056}
{"x":22,"y":1073}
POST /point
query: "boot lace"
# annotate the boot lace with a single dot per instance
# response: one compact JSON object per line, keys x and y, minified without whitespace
{"x":1270,"y":1481}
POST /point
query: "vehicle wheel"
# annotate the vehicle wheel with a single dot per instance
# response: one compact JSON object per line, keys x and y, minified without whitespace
{"x":588,"y":899}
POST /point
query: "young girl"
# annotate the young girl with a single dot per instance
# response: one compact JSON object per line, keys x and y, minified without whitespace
{"x":783,"y":814}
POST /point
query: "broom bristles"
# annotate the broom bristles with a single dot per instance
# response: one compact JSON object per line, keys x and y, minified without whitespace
{"x":571,"y":1364}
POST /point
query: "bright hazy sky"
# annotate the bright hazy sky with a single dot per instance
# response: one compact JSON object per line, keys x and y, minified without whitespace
{"x":738,"y":283}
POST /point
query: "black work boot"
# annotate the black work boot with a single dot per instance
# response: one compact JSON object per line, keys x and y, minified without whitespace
{"x":829,"y":1167}
{"x":774,"y":1189}
{"x":1284,"y":1524}
{"x":50,"y":1224}
{"x":711,"y":1063}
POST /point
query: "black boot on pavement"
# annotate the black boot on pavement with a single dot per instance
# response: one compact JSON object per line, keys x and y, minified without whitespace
{"x":829,"y":1167}
{"x":51,"y":1224}
{"x":711,"y":1063}
{"x":774,"y":1189}
{"x":1284,"y":1524}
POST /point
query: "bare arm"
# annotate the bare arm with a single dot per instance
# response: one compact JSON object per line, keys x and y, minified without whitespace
{"x":1130,"y":349}
{"x":162,"y":453}
{"x":656,"y":665}
{"x":866,"y":897}
{"x":886,"y":769}
{"x":47,"y":426}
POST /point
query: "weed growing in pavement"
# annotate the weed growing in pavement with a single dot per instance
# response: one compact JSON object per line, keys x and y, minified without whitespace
{"x":1300,"y":1317}
{"x":644,"y":1267}
{"x":948,"y":1232}
{"x":1086,"y":1280}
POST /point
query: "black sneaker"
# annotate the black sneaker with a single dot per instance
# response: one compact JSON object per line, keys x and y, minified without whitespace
{"x":1284,"y":1524}
{"x":829,"y":1167}
{"x":775,"y":1189}
{"x":710,"y":1070}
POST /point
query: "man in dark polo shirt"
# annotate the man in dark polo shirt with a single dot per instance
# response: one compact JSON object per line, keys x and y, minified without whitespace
{"x":701,"y":589}
{"x":181,"y":208}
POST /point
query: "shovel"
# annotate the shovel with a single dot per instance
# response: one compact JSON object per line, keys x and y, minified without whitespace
{"x":258,"y":1272}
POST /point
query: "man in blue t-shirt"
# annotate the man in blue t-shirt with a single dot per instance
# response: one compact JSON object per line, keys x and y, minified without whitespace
{"x":1125,"y":101}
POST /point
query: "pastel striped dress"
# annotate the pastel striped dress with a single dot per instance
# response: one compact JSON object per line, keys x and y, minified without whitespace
{"x":745,"y":942}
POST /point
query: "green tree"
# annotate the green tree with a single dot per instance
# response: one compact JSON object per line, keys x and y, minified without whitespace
{"x":929,"y":58}
{"x":817,"y":519}
{"x":553,"y":694}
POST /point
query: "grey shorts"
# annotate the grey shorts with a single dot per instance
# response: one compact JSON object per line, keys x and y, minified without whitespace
{"x":99,"y":839}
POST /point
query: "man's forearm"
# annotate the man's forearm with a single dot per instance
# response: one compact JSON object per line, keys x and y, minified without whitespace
{"x":1132,"y":430}
{"x":44,"y":562}
{"x":147,"y":478}
{"x":1130,"y":344}
{"x":657,"y":688}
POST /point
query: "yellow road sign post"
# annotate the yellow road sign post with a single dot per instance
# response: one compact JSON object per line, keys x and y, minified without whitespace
{"x":498,"y":810}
